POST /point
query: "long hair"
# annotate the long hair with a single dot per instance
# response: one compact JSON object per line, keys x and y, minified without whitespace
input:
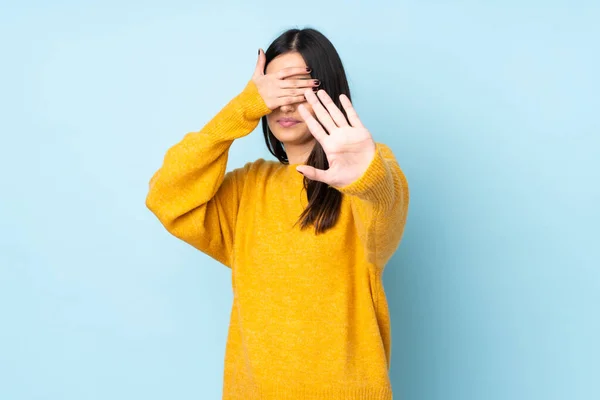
{"x":324,"y":201}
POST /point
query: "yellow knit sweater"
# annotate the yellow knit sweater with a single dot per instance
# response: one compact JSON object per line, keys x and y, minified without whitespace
{"x":309,"y":318}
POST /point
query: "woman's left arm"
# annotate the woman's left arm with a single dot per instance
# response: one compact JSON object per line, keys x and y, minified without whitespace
{"x":379,"y":200}
{"x":364,"y":170}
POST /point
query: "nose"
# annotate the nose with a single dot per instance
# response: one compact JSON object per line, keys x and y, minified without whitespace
{"x":286,"y":108}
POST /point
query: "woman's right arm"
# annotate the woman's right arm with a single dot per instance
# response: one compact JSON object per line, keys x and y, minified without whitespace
{"x":190,"y":194}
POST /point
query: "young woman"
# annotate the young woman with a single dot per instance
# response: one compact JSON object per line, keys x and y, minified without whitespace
{"x":306,"y":237}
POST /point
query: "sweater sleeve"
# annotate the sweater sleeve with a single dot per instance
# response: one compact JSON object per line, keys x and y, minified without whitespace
{"x":379,"y":200}
{"x":191,"y":194}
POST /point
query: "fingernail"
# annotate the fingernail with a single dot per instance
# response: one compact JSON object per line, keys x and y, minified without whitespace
{"x":308,"y":69}
{"x":317,"y":82}
{"x":259,"y":52}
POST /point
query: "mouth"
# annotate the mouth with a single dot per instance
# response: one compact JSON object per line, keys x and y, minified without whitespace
{"x":288,"y":122}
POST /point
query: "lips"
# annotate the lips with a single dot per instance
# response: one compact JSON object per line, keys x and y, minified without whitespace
{"x":288,"y":122}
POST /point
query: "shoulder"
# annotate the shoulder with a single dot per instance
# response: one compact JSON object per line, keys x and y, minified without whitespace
{"x":257,"y":170}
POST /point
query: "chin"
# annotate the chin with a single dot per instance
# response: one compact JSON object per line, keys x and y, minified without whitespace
{"x":293,"y":137}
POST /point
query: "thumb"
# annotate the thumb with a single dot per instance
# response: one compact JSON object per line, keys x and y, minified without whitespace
{"x":313,"y":173}
{"x":260,"y":63}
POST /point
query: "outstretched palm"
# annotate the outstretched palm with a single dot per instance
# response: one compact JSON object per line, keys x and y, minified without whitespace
{"x":349,"y":146}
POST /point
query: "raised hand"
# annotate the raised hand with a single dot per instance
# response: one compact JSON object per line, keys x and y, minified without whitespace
{"x":349,"y":146}
{"x":277,"y":91}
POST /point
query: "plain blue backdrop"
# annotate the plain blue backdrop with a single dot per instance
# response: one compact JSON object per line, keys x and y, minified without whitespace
{"x":490,"y":107}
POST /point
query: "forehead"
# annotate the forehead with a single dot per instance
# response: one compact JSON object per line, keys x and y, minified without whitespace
{"x":286,"y":60}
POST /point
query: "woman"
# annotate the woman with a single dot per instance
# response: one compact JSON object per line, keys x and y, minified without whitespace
{"x":306,"y":237}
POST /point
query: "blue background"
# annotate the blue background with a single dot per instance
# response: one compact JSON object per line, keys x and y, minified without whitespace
{"x":490,"y":107}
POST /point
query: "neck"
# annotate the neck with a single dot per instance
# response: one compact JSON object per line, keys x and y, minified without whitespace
{"x":297,"y":153}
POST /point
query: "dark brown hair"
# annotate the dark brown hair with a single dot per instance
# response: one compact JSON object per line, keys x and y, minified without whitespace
{"x":324,"y":201}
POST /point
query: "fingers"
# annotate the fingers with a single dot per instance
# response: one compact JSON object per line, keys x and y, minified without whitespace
{"x":298,"y":83}
{"x":350,"y":112}
{"x":320,"y":111}
{"x":313,"y":125}
{"x":282,"y":101}
{"x":334,"y":111}
{"x":313,"y":173}
{"x":293,"y":92}
{"x":291,"y":71}
{"x":260,"y":63}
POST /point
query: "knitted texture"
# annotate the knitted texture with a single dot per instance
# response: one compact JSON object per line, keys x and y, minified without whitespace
{"x":309,"y":318}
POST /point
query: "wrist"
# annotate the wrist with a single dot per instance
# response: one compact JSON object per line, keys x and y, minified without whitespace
{"x":254,"y":106}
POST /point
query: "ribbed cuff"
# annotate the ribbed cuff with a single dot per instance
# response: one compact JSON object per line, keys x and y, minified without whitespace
{"x":254,"y":106}
{"x":376,"y":184}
